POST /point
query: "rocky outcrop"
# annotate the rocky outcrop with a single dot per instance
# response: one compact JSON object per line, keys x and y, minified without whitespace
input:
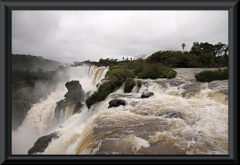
{"x":147,"y":94}
{"x":73,"y":97}
{"x":116,"y":103}
{"x":42,"y":143}
{"x":75,"y":92}
{"x":77,"y":108}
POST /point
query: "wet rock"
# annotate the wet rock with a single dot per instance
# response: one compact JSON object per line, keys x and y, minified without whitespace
{"x":173,"y":83}
{"x":193,"y":87}
{"x":147,"y":94}
{"x":88,"y":93}
{"x":116,"y":103}
{"x":77,"y":108}
{"x":145,"y":83}
{"x":75,"y":92}
{"x":173,"y":114}
{"x":134,"y":103}
{"x":222,"y":86}
{"x":42,"y":143}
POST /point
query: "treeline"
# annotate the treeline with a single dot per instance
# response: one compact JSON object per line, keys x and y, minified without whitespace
{"x":200,"y":55}
{"x":33,"y":63}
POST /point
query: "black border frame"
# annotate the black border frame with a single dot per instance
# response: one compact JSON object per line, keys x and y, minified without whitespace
{"x":6,"y":6}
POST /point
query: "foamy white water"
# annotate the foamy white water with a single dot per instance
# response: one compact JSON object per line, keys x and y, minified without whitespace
{"x":183,"y":117}
{"x":40,"y":119}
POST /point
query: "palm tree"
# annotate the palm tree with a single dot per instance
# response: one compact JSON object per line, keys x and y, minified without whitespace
{"x":183,"y":46}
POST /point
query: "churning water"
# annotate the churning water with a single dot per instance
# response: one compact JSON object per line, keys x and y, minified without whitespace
{"x":182,"y":117}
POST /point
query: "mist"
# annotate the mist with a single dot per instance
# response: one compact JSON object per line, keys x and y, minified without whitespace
{"x":33,"y":126}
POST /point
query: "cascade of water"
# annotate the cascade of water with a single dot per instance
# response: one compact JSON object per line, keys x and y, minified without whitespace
{"x":182,"y":117}
{"x":40,"y":119}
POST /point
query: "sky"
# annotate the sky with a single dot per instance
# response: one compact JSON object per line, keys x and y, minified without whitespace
{"x":68,"y":36}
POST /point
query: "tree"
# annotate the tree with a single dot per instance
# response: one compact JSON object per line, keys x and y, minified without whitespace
{"x":183,"y":46}
{"x":123,"y":58}
{"x":195,"y":48}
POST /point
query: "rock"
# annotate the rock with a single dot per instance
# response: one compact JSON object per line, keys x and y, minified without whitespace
{"x":73,"y":97}
{"x":88,"y":93}
{"x":173,"y":114}
{"x":147,"y":94}
{"x":77,"y":108}
{"x":134,"y":103}
{"x":75,"y":92}
{"x":193,"y":87}
{"x":42,"y":143}
{"x":116,"y":103}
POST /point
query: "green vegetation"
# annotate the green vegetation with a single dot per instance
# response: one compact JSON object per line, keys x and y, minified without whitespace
{"x":115,"y":77}
{"x":139,"y":83}
{"x":200,"y":55}
{"x":33,"y":63}
{"x":129,"y":84}
{"x":210,"y":75}
{"x":103,"y":91}
{"x":169,"y":73}
{"x":41,"y":144}
{"x":118,"y":75}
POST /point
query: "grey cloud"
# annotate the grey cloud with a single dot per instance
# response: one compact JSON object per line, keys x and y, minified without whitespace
{"x":69,"y":36}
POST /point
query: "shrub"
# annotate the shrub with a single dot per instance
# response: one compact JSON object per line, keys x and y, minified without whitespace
{"x":139,"y":83}
{"x":169,"y":73}
{"x":210,"y":75}
{"x":103,"y":91}
{"x":129,"y":84}
{"x":156,"y":70}
{"x":117,"y":76}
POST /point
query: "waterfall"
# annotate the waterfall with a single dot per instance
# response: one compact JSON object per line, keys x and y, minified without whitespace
{"x":182,"y":117}
{"x":40,"y":119}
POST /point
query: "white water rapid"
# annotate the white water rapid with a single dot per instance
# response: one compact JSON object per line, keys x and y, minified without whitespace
{"x":182,"y":117}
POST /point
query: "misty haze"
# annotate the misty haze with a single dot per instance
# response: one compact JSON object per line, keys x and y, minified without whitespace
{"x":120,"y":82}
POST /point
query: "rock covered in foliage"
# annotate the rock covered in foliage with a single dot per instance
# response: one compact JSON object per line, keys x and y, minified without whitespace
{"x":147,"y":94}
{"x":42,"y":143}
{"x":116,"y":103}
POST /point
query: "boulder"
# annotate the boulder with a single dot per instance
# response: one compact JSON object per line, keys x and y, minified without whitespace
{"x":116,"y":103}
{"x":42,"y":143}
{"x":75,"y":92}
{"x":147,"y":94}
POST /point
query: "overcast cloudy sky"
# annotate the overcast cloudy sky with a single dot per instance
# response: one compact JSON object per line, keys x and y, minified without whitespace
{"x":69,"y":36}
